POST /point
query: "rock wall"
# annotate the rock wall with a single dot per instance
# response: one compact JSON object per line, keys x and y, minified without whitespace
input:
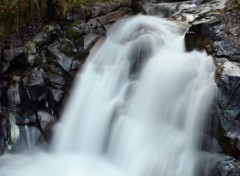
{"x":37,"y":72}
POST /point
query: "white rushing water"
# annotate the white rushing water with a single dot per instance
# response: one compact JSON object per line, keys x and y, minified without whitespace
{"x":125,"y":118}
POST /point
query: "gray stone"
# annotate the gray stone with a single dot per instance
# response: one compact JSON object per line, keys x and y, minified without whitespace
{"x":64,"y":61}
{"x":11,"y":54}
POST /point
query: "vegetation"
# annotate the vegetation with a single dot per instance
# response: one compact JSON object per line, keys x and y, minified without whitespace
{"x":16,"y":13}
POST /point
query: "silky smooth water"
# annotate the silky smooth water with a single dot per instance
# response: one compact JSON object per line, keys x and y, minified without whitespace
{"x":137,"y":108}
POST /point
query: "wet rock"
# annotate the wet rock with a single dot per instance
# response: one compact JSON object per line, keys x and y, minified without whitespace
{"x":90,"y":40}
{"x":54,"y":79}
{"x":47,"y":122}
{"x":201,"y":35}
{"x":107,"y":7}
{"x":227,"y":166}
{"x":14,"y":92}
{"x":45,"y":119}
{"x":56,"y":94}
{"x":164,"y":10}
{"x":63,"y":60}
{"x":114,"y":16}
{"x":55,"y":97}
{"x":210,"y":144}
{"x":96,"y":27}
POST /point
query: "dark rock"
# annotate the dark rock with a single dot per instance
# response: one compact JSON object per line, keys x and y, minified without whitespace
{"x":42,"y":39}
{"x":210,"y":144}
{"x":4,"y":66}
{"x":114,"y":16}
{"x":52,"y":30}
{"x":78,"y":30}
{"x":47,"y":122}
{"x":54,"y":79}
{"x":107,"y":7}
{"x":201,"y":35}
{"x":141,"y":6}
{"x":64,"y":61}
{"x":227,"y":166}
{"x":228,"y":81}
{"x":164,"y":10}
{"x":90,"y":40}
{"x":14,"y":92}
{"x":11,"y":54}
{"x":35,"y":85}
{"x":77,"y":14}
{"x":14,"y":40}
{"x":68,"y":47}
{"x":96,"y":27}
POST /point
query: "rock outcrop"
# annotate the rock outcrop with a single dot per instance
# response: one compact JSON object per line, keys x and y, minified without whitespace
{"x":37,"y":72}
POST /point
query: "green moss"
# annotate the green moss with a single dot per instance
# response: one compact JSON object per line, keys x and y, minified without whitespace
{"x":79,"y":41}
{"x":30,"y":48}
{"x":52,"y":29}
{"x":67,"y":47}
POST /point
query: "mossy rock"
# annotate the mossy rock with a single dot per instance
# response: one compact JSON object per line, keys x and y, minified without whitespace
{"x":79,"y":41}
{"x":52,"y":29}
{"x":71,"y":32}
{"x":30,"y":48}
{"x":67,"y":47}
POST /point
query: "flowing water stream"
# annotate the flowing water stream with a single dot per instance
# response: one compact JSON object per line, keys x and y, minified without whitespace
{"x":137,"y":108}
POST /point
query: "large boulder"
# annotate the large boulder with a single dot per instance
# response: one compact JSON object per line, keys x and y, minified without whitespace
{"x":228,"y":102}
{"x":107,"y":7}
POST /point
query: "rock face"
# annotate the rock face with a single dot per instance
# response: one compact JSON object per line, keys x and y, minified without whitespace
{"x":37,"y":72}
{"x":228,"y":166}
{"x":215,"y":28}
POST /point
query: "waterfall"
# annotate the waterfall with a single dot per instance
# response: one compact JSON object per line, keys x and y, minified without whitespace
{"x":137,"y":108}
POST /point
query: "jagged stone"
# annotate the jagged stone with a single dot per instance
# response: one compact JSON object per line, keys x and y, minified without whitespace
{"x":227,"y":166}
{"x":64,"y":61}
{"x":96,"y":27}
{"x":114,"y":16}
{"x":42,"y":39}
{"x":228,"y":81}
{"x":107,"y":7}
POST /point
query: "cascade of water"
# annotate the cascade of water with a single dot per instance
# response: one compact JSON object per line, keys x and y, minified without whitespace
{"x":137,"y":108}
{"x":29,"y":142}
